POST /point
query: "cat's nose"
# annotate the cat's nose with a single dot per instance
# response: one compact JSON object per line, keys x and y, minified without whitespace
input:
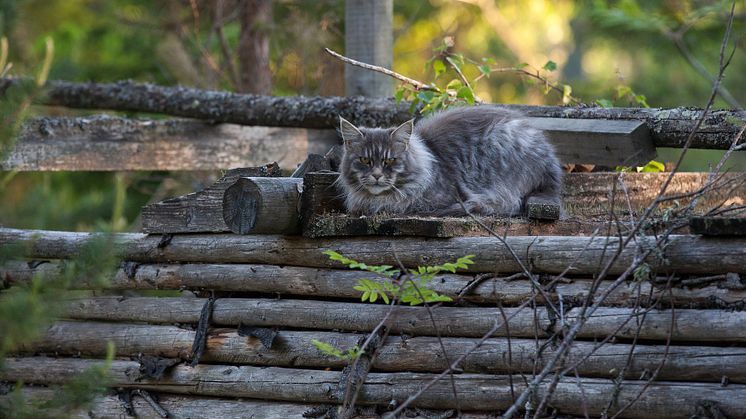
{"x":376,"y":176}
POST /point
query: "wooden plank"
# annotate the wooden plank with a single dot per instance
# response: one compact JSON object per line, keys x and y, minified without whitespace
{"x":477,"y":391}
{"x":199,"y":211}
{"x":669,"y":127}
{"x":416,"y":354}
{"x":718,"y":226}
{"x":683,"y":254}
{"x":688,"y":325}
{"x":338,"y":284}
{"x":104,"y":143}
{"x":369,"y":38}
{"x":601,"y":142}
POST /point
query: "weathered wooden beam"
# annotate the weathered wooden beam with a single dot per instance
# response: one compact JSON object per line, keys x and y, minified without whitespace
{"x":688,"y":325}
{"x":601,"y":142}
{"x":683,"y":254}
{"x":312,"y":314}
{"x":669,"y":127}
{"x":263,"y":205}
{"x":416,"y":354}
{"x":198,"y":211}
{"x":178,"y":406}
{"x":475,"y":391}
{"x":334,"y":283}
{"x":718,"y":226}
{"x":111,"y":143}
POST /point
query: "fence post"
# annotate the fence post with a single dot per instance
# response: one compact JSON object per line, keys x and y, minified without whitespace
{"x":368,"y":38}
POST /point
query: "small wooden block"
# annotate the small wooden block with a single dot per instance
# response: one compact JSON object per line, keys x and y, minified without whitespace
{"x":539,"y":209}
{"x":718,"y":226}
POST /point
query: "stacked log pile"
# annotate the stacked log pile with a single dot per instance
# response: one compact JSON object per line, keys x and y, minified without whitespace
{"x":270,"y":296}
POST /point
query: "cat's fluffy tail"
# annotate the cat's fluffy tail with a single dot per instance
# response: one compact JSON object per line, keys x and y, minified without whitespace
{"x":550,"y":189}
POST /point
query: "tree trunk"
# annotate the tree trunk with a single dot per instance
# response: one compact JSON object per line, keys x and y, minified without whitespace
{"x":368,"y":38}
{"x":253,"y":46}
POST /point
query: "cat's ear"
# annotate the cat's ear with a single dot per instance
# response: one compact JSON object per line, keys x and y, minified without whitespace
{"x":402,"y":133}
{"x":350,"y":133}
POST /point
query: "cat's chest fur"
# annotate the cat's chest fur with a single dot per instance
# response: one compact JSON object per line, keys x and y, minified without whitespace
{"x":480,"y":160}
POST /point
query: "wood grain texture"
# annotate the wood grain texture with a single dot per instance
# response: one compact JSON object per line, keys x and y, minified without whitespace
{"x":684,"y":254}
{"x":477,"y":391}
{"x":669,"y":127}
{"x":200,"y":211}
{"x":417,"y":354}
{"x":600,"y":142}
{"x":263,"y":205}
{"x":682,"y":324}
{"x":338,"y":283}
{"x":105,"y":143}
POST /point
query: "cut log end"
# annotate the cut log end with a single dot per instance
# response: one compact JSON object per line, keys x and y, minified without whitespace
{"x":263,"y":205}
{"x":240,"y":205}
{"x":542,"y":209}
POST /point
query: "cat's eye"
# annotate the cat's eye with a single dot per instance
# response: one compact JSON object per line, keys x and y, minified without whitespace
{"x":389,"y":162}
{"x":365,"y":160}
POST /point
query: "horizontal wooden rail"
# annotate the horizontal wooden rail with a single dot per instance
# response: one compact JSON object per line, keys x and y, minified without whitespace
{"x":477,"y":391}
{"x":681,"y":324}
{"x":551,"y":254}
{"x":103,"y":143}
{"x":339,"y":283}
{"x":417,"y":354}
{"x":669,"y":127}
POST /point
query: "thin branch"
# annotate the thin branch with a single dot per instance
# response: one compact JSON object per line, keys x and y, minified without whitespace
{"x":417,"y":85}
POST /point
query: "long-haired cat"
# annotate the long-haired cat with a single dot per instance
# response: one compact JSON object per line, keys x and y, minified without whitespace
{"x":479,"y":159}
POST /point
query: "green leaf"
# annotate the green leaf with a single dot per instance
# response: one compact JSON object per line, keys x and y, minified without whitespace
{"x":426,"y":96}
{"x":454,"y":84}
{"x":622,"y":91}
{"x":521,"y":66}
{"x":439,"y":67}
{"x":550,"y":66}
{"x":604,"y":103}
{"x":365,"y":296}
{"x":485,"y":69}
{"x":566,"y":93}
{"x":399,"y":94}
{"x":652,"y":167}
{"x":466,"y":94}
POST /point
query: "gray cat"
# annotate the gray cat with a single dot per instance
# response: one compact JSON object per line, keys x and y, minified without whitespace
{"x":488,"y":159}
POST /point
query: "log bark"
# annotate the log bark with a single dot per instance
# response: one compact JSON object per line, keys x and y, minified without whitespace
{"x":551,"y":254}
{"x":103,"y":143}
{"x":417,"y":354}
{"x":669,"y":127}
{"x":682,"y":325}
{"x":312,"y":314}
{"x":478,"y":392}
{"x":199,"y":211}
{"x":331,"y":283}
{"x":718,"y":226}
{"x":110,"y":406}
{"x":263,"y":205}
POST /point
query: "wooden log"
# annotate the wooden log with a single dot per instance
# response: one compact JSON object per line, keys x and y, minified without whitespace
{"x":601,"y":142}
{"x":475,"y":391}
{"x":313,"y":163}
{"x":718,"y":226}
{"x":108,"y":143}
{"x":669,"y":127}
{"x":417,"y":354}
{"x":332,"y":283}
{"x":312,"y":314}
{"x":551,"y":254}
{"x":263,"y":205}
{"x":688,"y":325}
{"x":110,"y":406}
{"x":199,"y":211}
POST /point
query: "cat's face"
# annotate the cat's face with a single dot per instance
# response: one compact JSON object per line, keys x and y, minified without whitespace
{"x":375,"y":159}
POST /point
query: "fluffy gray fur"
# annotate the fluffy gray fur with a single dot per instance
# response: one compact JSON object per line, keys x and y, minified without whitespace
{"x":490,"y":159}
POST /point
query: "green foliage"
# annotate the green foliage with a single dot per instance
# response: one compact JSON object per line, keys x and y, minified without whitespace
{"x":413,"y":291}
{"x":651,"y":167}
{"x":78,"y":394}
{"x":28,"y":309}
{"x":329,"y":350}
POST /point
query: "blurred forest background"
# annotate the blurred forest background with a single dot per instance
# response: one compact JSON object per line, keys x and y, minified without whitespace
{"x":658,"y":53}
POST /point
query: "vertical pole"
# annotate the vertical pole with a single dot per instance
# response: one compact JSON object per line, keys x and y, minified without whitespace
{"x":368,"y":38}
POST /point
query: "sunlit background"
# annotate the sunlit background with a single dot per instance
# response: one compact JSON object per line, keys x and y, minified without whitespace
{"x":625,"y":53}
